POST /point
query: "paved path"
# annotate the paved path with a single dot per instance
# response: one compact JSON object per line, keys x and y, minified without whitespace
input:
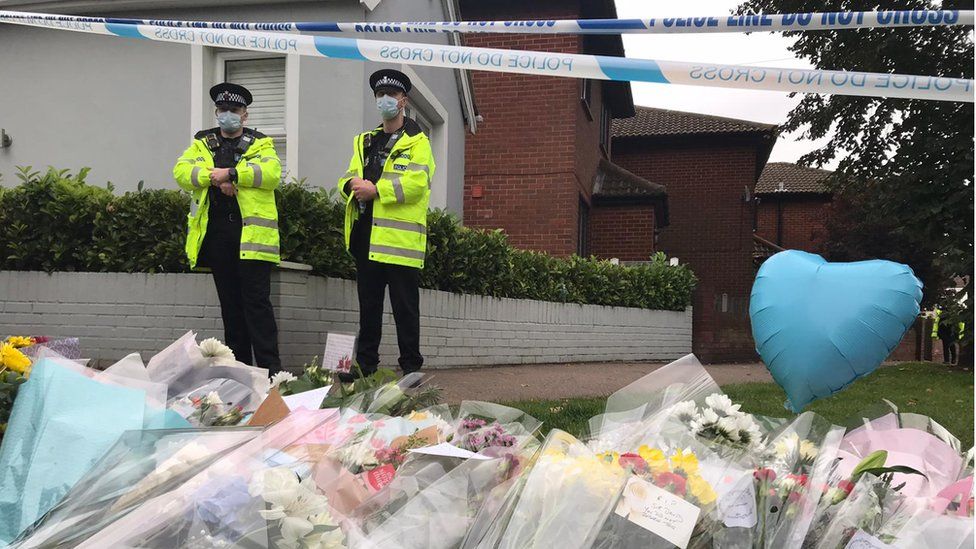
{"x":554,"y":381}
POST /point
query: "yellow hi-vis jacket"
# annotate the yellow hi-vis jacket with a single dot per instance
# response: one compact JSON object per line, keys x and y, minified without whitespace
{"x":399,"y":232}
{"x":258,"y":175}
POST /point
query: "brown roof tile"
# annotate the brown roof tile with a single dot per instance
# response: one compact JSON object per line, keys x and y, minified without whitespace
{"x":786,"y":177}
{"x":613,"y":181}
{"x":650,"y":122}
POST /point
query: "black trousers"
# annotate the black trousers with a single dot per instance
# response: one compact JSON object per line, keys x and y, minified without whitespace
{"x":949,"y":351}
{"x":244,"y":290}
{"x":372,"y":279}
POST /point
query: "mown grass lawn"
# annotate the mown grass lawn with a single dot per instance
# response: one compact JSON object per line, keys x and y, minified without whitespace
{"x":934,"y":390}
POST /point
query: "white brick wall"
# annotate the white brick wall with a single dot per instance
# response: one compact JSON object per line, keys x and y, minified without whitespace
{"x":117,"y":313}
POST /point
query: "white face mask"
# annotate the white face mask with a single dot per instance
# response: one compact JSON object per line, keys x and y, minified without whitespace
{"x":228,"y":121}
{"x":389,"y":107}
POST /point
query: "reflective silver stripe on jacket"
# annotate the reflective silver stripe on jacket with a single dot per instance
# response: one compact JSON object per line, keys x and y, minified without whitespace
{"x":399,"y":252}
{"x":195,"y":177}
{"x":252,"y":247}
{"x":394,"y":178}
{"x":260,"y":222}
{"x":420,"y":167}
{"x":257,"y":174}
{"x":401,"y":225}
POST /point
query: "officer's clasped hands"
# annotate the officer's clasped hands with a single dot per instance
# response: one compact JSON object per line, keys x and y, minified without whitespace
{"x":363,"y":190}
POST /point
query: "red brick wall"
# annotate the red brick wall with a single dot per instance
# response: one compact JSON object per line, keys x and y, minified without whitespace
{"x":710,"y":230}
{"x":535,"y":153}
{"x":804,"y":221}
{"x":624,"y":232}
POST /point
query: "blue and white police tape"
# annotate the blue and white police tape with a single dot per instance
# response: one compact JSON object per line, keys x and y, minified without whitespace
{"x":538,"y":63}
{"x":658,"y":25}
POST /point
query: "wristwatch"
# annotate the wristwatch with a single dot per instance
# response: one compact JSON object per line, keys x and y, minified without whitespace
{"x":233,"y":175}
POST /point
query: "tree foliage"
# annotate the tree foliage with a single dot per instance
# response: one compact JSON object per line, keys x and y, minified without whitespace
{"x":904,"y":182}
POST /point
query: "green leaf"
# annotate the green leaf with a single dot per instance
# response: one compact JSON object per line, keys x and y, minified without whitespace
{"x":874,"y":461}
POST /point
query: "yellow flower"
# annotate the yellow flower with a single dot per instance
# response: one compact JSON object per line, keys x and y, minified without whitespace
{"x":417,"y":416}
{"x":13,"y":359}
{"x":701,"y":489}
{"x":686,"y":461}
{"x":655,"y":458}
{"x":609,"y":457}
{"x":20,"y":341}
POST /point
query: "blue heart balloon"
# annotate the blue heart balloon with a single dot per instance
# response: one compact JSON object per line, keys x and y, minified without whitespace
{"x":819,"y":326}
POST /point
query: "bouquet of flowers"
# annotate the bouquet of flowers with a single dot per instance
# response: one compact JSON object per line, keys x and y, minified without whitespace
{"x":313,"y":377}
{"x":562,"y":499}
{"x":484,"y":427}
{"x":667,"y":502}
{"x":15,"y":367}
{"x":383,"y":393}
{"x":255,"y":495}
{"x":209,"y":411}
{"x":140,"y":466}
{"x":721,"y":424}
{"x":798,"y":462}
{"x":376,"y":447}
{"x":431,"y":503}
{"x":436,"y":494}
{"x":645,"y":405}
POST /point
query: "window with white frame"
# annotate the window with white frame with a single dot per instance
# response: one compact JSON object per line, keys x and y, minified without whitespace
{"x":422,"y":120}
{"x":265,"y":77}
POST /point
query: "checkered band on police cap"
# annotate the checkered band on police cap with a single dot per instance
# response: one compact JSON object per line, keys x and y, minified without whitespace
{"x":231,"y":97}
{"x":389,"y":82}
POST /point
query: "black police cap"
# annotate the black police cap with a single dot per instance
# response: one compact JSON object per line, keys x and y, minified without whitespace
{"x":230,"y":94}
{"x":390,"y":79}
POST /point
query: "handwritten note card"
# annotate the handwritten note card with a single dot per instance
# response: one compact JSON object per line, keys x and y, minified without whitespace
{"x":338,"y":352}
{"x":658,"y":511}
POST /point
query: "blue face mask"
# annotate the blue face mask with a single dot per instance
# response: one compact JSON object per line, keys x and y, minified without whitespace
{"x":228,"y":121}
{"x":389,"y":107}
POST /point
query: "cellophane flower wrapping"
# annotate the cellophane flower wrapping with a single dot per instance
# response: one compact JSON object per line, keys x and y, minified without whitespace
{"x":644,"y":405}
{"x":256,"y":495}
{"x":64,"y":420}
{"x":737,"y":440}
{"x":561,"y":500}
{"x":682,"y":493}
{"x":798,"y":461}
{"x":911,"y":440}
{"x":373,"y":447}
{"x":140,"y":466}
{"x":868,"y":505}
{"x":433,"y":499}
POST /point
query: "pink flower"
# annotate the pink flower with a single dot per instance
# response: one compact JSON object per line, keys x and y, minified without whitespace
{"x":846,"y":485}
{"x":794,"y":497}
{"x":358,"y":418}
{"x":767,"y":475}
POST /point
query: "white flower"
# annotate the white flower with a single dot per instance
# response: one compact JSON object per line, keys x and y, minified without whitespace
{"x":685,"y":411}
{"x":213,"y":348}
{"x":293,"y":529}
{"x":359,"y":454}
{"x":708,"y":416}
{"x":787,"y":446}
{"x":729,"y":427}
{"x":722,"y":404}
{"x":332,"y":539}
{"x":213,"y":399}
{"x":281,"y":377}
{"x":808,"y":451}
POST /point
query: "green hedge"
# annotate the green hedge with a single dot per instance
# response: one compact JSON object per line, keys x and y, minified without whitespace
{"x":57,"y":222}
